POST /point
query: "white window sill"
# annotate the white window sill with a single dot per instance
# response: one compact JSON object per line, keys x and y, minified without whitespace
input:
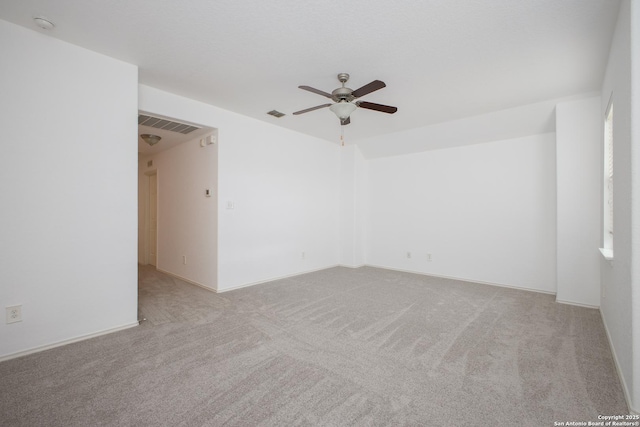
{"x":607,"y":254}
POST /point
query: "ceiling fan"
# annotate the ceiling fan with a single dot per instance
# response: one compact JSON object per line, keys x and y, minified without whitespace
{"x":345,"y":99}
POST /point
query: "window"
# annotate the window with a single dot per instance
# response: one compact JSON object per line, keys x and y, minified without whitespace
{"x":607,"y":249}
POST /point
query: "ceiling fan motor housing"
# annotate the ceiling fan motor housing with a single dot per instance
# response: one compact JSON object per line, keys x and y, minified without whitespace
{"x":343,"y":94}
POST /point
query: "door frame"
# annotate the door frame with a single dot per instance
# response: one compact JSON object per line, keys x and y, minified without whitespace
{"x":147,"y":216}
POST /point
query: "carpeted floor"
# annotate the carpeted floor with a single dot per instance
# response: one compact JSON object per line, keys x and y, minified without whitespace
{"x":338,"y":347}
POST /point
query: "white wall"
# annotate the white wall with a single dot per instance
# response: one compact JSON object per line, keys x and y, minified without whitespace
{"x":530,"y":119}
{"x":67,"y":181}
{"x":486,"y":212}
{"x":187,"y":219}
{"x":353,"y":187}
{"x":283,"y":186}
{"x":635,"y":199}
{"x":619,"y":287}
{"x":579,"y":133}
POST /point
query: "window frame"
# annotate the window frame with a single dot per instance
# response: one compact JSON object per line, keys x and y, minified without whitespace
{"x":607,"y":183}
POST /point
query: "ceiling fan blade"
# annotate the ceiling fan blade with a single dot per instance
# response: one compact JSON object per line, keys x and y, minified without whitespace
{"x":377,"y":107}
{"x":318,"y":91}
{"x":345,"y":121}
{"x":317,"y":107}
{"x":368,"y":88}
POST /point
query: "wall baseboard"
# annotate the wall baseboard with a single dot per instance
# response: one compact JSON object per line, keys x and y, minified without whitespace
{"x":501,"y":285}
{"x":246,"y":285}
{"x":68,"y":341}
{"x":184,"y":279}
{"x":625,"y":389}
{"x":577,"y":304}
{"x":351,"y":266}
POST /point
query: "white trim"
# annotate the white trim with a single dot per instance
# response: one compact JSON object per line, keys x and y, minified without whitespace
{"x":577,"y":304}
{"x":184,"y":279}
{"x":246,"y":285}
{"x":607,"y":254}
{"x":607,"y":176}
{"x":501,"y":285}
{"x":147,"y":214}
{"x":625,"y":389}
{"x":351,"y":266}
{"x":68,"y":341}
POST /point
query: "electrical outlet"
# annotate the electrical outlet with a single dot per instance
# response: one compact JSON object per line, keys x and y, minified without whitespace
{"x":14,"y":314}
{"x":409,"y":255}
{"x":184,"y":259}
{"x":303,"y":255}
{"x":429,"y":258}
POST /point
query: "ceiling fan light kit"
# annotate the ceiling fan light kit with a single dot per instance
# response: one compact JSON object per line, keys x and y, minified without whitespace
{"x":345,"y":99}
{"x":150,"y":139}
{"x":343,"y":109}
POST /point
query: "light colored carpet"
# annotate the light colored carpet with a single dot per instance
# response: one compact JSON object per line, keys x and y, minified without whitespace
{"x":337,"y":347}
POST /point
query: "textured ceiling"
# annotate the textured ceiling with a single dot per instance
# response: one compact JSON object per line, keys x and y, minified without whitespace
{"x":441,"y":59}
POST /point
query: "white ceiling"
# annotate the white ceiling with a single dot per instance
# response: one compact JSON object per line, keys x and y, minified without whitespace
{"x":441,"y":59}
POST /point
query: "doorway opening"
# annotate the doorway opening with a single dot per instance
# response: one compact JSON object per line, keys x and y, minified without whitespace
{"x":178,"y":199}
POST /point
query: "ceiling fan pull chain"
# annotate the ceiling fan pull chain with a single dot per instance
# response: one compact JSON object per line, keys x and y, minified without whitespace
{"x":342,"y":135}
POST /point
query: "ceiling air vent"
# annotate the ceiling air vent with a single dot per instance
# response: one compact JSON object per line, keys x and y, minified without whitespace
{"x":164,"y":124}
{"x":275,"y":113}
